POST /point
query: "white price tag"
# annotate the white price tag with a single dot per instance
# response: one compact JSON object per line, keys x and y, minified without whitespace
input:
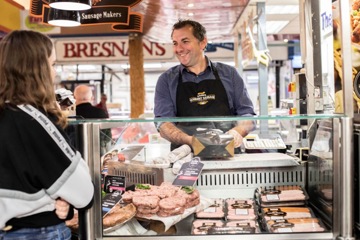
{"x":239,"y":211}
{"x":284,"y":230}
{"x":210,"y":210}
{"x":272,"y":197}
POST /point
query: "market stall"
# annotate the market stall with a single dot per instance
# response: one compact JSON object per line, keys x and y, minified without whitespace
{"x":250,"y":195}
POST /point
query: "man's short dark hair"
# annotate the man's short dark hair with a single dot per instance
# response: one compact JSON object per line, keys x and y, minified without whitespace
{"x":199,"y":30}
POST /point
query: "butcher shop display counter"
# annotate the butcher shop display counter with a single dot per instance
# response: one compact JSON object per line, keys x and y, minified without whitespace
{"x":289,"y":189}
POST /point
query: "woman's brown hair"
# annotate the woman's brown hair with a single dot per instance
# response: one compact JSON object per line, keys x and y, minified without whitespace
{"x":25,"y":73}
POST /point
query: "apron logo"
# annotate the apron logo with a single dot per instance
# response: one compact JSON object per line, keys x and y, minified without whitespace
{"x":202,"y":98}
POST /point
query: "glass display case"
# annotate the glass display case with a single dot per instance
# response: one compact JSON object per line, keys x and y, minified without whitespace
{"x":148,"y":189}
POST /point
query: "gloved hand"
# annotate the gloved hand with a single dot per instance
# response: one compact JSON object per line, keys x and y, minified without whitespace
{"x":179,"y":153}
{"x":238,"y":139}
{"x":64,"y":97}
{"x":178,"y":164}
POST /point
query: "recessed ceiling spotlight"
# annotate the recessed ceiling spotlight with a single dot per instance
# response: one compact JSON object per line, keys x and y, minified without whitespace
{"x":190,"y":14}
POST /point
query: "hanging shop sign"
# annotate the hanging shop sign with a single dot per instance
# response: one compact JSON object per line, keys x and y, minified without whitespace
{"x":327,"y":49}
{"x":107,"y":50}
{"x":35,"y":23}
{"x":110,"y":49}
{"x":245,"y":29}
{"x":113,"y":12}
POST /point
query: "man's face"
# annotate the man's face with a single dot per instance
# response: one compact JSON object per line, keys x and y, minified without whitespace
{"x":187,"y":48}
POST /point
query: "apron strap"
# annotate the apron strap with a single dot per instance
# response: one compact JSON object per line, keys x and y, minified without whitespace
{"x":214,"y":70}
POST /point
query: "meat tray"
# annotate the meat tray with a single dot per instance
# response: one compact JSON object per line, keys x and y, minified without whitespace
{"x":281,"y":194}
{"x":295,"y":225}
{"x":124,"y":214}
{"x":116,"y":227}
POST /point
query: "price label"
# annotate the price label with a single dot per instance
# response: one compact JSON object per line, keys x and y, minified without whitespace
{"x":272,"y":197}
{"x":189,"y":173}
{"x":240,"y":211}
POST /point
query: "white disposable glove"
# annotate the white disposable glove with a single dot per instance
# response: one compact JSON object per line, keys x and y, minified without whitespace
{"x":178,"y":164}
{"x":238,"y":139}
{"x":179,"y":153}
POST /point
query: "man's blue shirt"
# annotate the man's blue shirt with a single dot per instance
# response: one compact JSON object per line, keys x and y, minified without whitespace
{"x":166,"y":87}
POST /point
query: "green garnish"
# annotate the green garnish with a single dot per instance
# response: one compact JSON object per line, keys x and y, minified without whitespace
{"x":142,"y":186}
{"x":188,"y":189}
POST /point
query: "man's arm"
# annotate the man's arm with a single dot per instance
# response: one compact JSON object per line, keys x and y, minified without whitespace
{"x":245,"y":127}
{"x":171,"y":133}
{"x":242,"y":129}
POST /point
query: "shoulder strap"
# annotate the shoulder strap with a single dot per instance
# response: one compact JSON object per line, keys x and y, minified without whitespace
{"x":215,"y":71}
{"x":50,"y":128}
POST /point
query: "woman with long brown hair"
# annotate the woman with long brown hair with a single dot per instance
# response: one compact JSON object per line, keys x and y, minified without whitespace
{"x":38,"y":167}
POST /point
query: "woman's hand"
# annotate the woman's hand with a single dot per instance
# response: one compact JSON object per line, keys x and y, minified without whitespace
{"x":62,"y":208}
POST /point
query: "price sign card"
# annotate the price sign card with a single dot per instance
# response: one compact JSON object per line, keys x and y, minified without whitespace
{"x":114,"y":183}
{"x":189,"y":173}
{"x":109,"y":201}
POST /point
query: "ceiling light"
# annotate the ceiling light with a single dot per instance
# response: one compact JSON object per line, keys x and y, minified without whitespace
{"x":78,"y":5}
{"x":272,"y":27}
{"x":146,"y":65}
{"x":152,"y":65}
{"x":190,"y":5}
{"x":190,"y":14}
{"x":87,"y":67}
{"x":62,"y":18}
{"x":282,"y":9}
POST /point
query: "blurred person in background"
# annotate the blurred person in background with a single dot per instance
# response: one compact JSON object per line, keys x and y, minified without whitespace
{"x":102,"y":104}
{"x":83,"y":97}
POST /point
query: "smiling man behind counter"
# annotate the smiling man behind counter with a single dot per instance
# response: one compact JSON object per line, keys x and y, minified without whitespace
{"x":199,"y":87}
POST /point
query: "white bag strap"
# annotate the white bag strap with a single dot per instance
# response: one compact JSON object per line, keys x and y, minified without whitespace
{"x":51,"y":129}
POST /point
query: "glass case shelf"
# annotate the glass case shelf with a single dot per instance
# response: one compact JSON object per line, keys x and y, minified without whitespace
{"x":311,"y":162}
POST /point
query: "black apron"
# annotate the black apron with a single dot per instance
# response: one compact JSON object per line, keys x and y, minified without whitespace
{"x":203,"y":99}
